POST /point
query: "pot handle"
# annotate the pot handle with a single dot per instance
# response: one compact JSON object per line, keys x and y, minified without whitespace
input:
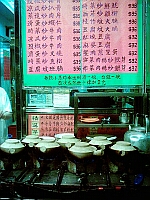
{"x":102,"y":147}
{"x":99,"y":152}
{"x":136,"y":120}
{"x":68,"y":145}
{"x":43,"y":149}
{"x":147,"y":124}
{"x":12,"y":151}
{"x":123,"y":153}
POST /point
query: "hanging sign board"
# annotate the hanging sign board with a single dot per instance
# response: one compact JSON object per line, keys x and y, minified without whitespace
{"x":82,"y":43}
{"x":147,"y":40}
{"x":49,"y":125}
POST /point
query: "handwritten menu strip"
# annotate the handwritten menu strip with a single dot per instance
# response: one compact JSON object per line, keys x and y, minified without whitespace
{"x":49,"y":125}
{"x":81,"y":36}
{"x":6,"y":65}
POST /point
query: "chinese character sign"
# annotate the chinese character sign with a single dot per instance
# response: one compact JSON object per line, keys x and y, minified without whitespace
{"x":49,"y":125}
{"x":81,"y":37}
{"x":6,"y":65}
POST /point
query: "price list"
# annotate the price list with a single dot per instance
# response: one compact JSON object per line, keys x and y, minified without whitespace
{"x":109,"y":36}
{"x":68,"y":42}
{"x":49,"y":125}
{"x":132,"y":36}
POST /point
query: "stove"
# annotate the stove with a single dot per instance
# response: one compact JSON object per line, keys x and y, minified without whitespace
{"x":49,"y":182}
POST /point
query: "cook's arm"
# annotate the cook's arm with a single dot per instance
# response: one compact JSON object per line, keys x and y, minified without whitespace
{"x":5,"y":115}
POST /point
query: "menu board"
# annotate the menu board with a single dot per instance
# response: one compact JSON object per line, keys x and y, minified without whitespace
{"x":49,"y":125}
{"x":147,"y":45}
{"x":82,"y":43}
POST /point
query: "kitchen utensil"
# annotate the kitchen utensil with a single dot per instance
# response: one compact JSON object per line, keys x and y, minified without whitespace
{"x":122,"y":148}
{"x":89,"y":120}
{"x":100,"y":141}
{"x":139,"y":137}
{"x":31,"y":140}
{"x":12,"y":146}
{"x":47,"y":145}
{"x":67,"y":140}
{"x":84,"y":150}
{"x":124,"y":118}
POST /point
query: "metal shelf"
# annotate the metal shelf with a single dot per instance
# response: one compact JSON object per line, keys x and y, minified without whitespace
{"x":70,"y":110}
{"x":105,"y":93}
{"x":99,"y":125}
{"x":51,"y":110}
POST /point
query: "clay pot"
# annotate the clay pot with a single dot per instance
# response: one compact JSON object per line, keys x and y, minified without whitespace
{"x":123,"y":148}
{"x":67,"y":140}
{"x":100,"y":141}
{"x":31,"y":140}
{"x":12,"y":146}
{"x":84,"y":150}
{"x":47,"y":145}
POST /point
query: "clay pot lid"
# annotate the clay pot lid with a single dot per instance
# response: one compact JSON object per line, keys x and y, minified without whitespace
{"x":32,"y":137}
{"x":123,"y":143}
{"x":118,"y":147}
{"x":12,"y":141}
{"x":68,"y":139}
{"x":106,"y":136}
{"x":82,"y":144}
{"x":99,"y":138}
{"x":82,"y":147}
{"x":68,"y":136}
{"x":100,"y":142}
{"x":50,"y":138}
{"x":60,"y":135}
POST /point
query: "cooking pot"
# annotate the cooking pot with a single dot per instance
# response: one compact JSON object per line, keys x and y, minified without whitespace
{"x":31,"y":140}
{"x":12,"y":146}
{"x":67,"y":140}
{"x":100,"y":141}
{"x":122,"y":148}
{"x":84,"y":150}
{"x":60,"y":135}
{"x":47,"y":145}
{"x":139,"y":137}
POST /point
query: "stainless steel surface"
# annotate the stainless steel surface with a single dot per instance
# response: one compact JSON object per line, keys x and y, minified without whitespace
{"x":101,"y":125}
{"x":70,"y":110}
{"x":139,"y":136}
{"x":49,"y":110}
{"x":107,"y":94}
{"x":77,"y":110}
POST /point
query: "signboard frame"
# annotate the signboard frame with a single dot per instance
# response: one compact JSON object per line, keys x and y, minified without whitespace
{"x":124,"y":80}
